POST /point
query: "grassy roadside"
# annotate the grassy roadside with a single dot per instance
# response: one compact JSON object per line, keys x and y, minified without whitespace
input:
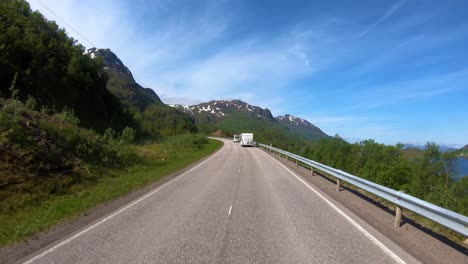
{"x":29,"y":220}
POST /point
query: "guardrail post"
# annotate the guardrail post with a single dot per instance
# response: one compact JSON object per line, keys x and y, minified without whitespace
{"x":397,"y":216}
{"x":297,"y":163}
{"x":311,"y":171}
{"x":338,"y":185}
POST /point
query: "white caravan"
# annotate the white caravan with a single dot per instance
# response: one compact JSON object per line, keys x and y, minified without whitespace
{"x":237,"y":138}
{"x":246,"y":139}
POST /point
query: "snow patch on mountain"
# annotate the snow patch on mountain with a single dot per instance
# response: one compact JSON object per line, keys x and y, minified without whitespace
{"x":294,"y":120}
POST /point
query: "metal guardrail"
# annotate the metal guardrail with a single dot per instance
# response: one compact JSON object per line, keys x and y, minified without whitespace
{"x":447,"y":218}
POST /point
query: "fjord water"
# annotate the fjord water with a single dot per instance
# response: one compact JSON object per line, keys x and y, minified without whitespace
{"x":462,"y":168}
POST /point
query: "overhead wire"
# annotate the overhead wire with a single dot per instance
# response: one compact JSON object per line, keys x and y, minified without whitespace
{"x":65,"y":22}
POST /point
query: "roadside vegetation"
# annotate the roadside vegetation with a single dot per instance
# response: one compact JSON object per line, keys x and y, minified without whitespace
{"x":430,"y":177}
{"x":52,"y":170}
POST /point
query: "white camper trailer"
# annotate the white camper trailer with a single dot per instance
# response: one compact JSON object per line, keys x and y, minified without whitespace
{"x":246,"y":139}
{"x":236,"y":139}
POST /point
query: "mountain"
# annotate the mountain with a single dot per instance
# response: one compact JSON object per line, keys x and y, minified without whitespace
{"x":236,"y":116}
{"x":232,"y":116}
{"x":462,"y":152}
{"x":413,"y":153}
{"x":301,"y":126}
{"x":121,"y":82}
{"x":155,"y":119}
{"x":221,"y":108}
{"x":413,"y":146}
{"x":443,"y":148}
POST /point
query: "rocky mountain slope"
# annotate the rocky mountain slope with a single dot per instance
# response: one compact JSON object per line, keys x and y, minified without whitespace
{"x":301,"y":126}
{"x":121,"y":82}
{"x":155,"y":119}
{"x":217,"y":110}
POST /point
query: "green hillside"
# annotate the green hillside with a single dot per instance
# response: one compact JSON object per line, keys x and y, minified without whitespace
{"x":301,"y":127}
{"x":462,"y":152}
{"x":38,"y":59}
{"x":155,"y":120}
{"x":159,"y":121}
{"x":46,"y":154}
{"x":412,"y":153}
{"x":121,"y":82}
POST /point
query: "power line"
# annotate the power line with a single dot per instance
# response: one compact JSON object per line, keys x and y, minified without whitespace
{"x":65,"y":22}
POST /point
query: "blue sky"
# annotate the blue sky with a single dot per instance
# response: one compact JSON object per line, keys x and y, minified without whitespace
{"x":390,"y":70}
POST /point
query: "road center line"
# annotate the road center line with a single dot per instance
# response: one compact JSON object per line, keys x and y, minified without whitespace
{"x":68,"y":240}
{"x":230,"y":208}
{"x":388,"y":251}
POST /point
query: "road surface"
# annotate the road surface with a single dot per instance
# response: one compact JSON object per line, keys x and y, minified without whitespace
{"x":238,"y":206}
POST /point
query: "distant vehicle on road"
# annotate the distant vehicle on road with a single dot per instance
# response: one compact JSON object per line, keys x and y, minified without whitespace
{"x":237,"y":138}
{"x":246,"y":139}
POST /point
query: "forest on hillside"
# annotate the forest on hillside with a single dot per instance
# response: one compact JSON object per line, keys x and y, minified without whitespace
{"x":39,"y":60}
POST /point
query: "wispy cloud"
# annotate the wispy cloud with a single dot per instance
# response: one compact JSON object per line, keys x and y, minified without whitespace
{"x":395,"y":7}
{"x":411,"y":90}
{"x":387,"y":56}
{"x":331,"y":119}
{"x":234,"y":72}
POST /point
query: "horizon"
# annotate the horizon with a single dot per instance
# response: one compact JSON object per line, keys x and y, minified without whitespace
{"x":393,"y":71}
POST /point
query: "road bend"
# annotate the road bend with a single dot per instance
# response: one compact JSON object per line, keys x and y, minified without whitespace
{"x":238,"y":206}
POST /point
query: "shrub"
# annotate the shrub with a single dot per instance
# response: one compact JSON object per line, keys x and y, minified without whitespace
{"x":127,"y":136}
{"x":31,"y":103}
{"x":68,"y":115}
{"x":109,"y":135}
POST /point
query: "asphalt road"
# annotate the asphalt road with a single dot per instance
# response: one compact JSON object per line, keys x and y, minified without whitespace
{"x":238,"y":206}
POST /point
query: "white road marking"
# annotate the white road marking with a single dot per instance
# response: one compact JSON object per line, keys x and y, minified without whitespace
{"x":68,"y":240}
{"x":230,"y":208}
{"x":354,"y":223}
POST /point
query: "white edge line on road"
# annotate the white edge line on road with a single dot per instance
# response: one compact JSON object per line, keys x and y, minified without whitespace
{"x":68,"y":240}
{"x":230,"y":207}
{"x":354,"y":223}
